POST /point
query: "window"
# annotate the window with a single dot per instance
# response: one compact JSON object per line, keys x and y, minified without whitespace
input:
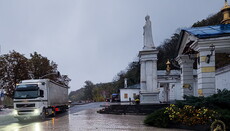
{"x":125,"y":95}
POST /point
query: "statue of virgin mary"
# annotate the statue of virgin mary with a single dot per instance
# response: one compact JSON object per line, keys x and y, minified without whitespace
{"x":148,"y":38}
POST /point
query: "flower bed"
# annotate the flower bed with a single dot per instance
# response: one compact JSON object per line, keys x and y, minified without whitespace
{"x":187,"y":117}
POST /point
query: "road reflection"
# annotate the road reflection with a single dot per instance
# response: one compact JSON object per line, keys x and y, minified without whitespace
{"x":58,"y":123}
{"x":36,"y":126}
{"x":81,"y":118}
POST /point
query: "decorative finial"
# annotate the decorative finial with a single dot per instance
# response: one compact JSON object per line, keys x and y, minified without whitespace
{"x":226,"y":13}
{"x":226,"y":3}
{"x":168,"y":67}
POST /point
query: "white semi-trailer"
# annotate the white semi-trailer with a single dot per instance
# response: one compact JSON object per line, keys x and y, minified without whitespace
{"x":39,"y":98}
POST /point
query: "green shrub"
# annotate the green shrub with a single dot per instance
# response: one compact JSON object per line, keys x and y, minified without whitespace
{"x":221,"y":100}
{"x":157,"y":119}
{"x":225,"y":116}
{"x":194,"y":111}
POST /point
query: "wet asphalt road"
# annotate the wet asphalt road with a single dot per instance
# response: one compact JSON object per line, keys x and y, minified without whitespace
{"x":83,"y":118}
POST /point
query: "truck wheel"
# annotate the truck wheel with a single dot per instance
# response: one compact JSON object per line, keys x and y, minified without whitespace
{"x":43,"y":115}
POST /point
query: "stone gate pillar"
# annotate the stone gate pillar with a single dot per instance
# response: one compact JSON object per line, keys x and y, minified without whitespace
{"x":187,"y":80}
{"x":206,"y":73}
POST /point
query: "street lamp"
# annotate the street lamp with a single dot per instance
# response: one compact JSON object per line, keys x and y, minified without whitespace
{"x":212,"y":48}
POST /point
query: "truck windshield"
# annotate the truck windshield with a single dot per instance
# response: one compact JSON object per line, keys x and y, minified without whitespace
{"x":26,"y":91}
{"x":25,"y":94}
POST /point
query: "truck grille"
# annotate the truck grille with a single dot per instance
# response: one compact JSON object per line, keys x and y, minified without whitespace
{"x":24,"y":105}
{"x":25,"y":112}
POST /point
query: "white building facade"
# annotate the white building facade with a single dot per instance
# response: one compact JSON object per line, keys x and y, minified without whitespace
{"x":129,"y":93}
{"x":171,"y":87}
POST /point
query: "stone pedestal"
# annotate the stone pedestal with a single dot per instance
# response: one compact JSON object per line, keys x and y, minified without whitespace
{"x":149,"y":97}
{"x":149,"y":92}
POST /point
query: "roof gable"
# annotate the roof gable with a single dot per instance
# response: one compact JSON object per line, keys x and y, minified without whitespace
{"x":191,"y":35}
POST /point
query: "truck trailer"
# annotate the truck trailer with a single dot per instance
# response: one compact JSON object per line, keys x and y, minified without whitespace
{"x":39,"y":98}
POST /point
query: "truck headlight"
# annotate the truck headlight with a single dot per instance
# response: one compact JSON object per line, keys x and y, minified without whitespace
{"x":15,"y":112}
{"x":36,"y":112}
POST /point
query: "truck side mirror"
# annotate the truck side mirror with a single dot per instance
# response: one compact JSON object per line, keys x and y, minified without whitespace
{"x":41,"y":93}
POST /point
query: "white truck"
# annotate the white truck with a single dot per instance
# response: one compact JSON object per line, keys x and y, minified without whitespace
{"x":39,"y":98}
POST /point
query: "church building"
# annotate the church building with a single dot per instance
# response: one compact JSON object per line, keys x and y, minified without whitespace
{"x":205,"y":46}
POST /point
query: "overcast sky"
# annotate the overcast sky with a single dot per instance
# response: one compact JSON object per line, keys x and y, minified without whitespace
{"x":93,"y":39}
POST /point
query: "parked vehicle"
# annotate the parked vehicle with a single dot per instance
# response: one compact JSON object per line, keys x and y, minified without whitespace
{"x":39,"y":98}
{"x":115,"y":98}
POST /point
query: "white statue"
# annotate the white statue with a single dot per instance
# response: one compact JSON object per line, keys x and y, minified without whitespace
{"x":148,"y":38}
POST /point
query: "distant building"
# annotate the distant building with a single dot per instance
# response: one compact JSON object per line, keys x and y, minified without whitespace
{"x":129,"y":93}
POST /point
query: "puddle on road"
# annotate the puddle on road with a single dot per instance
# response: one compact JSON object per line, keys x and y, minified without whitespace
{"x":91,"y":120}
{"x":86,"y":120}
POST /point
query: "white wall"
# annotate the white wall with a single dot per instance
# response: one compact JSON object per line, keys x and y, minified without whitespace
{"x":161,"y":95}
{"x":175,"y":91}
{"x":223,"y":80}
{"x":130,"y":93}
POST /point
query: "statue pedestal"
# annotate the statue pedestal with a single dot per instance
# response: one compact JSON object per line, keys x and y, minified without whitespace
{"x":149,"y":97}
{"x":148,"y":93}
